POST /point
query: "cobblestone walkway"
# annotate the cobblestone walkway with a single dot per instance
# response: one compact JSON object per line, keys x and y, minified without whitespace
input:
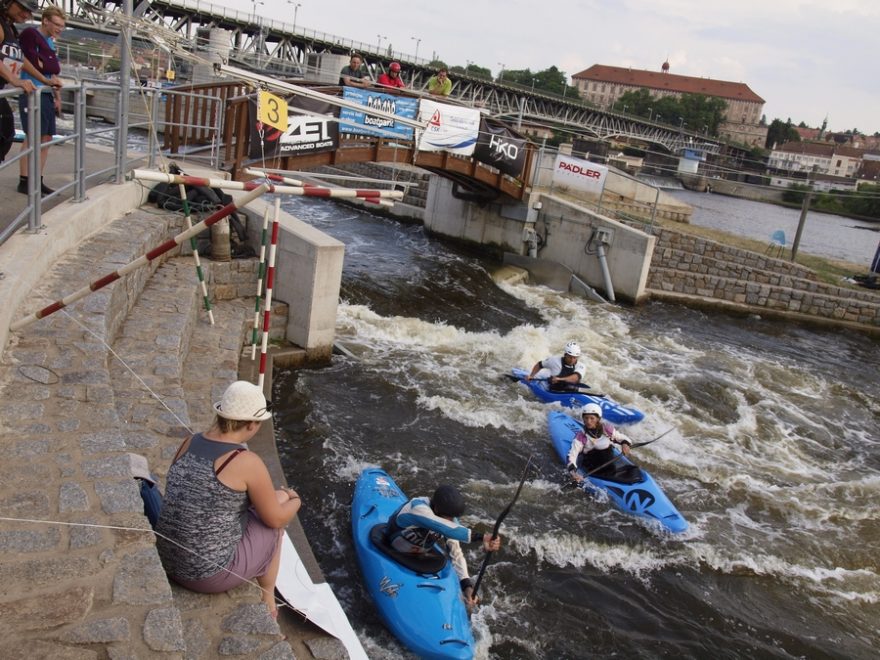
{"x":71,"y":413}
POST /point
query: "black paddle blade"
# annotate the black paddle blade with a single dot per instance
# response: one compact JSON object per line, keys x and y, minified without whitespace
{"x":498,"y":525}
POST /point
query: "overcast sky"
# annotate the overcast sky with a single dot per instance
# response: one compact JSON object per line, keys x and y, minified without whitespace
{"x":805,"y":58}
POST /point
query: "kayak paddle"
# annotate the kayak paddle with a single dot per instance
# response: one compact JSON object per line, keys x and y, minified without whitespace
{"x":498,"y":525}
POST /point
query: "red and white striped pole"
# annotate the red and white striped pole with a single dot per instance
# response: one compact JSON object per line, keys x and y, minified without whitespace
{"x":274,"y":176}
{"x":372,"y":195}
{"x":270,"y":281}
{"x":192,"y":243}
{"x":143,"y":260}
{"x":263,"y":240}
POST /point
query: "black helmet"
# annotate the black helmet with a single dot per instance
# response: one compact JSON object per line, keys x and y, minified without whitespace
{"x":30,"y":5}
{"x":447,"y":501}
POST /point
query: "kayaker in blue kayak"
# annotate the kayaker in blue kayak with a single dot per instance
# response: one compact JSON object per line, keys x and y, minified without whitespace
{"x":591,"y":448}
{"x":564,"y":373}
{"x":421,"y":524}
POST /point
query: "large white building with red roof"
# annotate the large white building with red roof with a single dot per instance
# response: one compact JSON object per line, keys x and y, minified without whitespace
{"x":602,"y":85}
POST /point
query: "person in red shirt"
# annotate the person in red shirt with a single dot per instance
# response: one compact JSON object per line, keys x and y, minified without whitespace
{"x":392,"y":78}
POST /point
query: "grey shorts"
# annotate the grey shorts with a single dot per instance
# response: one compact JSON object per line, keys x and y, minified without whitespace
{"x":251,"y":559}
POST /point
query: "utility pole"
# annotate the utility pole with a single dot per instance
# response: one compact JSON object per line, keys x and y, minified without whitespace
{"x":805,"y":207}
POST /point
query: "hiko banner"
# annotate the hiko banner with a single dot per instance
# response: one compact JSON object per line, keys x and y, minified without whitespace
{"x":450,"y":128}
{"x":305,"y":134}
{"x":579,"y":174}
{"x":397,"y":105}
{"x":500,"y":147}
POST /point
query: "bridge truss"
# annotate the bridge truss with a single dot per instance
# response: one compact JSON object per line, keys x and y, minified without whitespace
{"x":282,"y":49}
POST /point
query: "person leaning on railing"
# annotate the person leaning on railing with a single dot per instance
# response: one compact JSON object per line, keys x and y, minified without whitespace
{"x":38,"y":47}
{"x":11,"y":62}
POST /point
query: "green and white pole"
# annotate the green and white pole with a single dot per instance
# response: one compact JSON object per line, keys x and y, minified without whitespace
{"x":264,"y":239}
{"x":192,"y":243}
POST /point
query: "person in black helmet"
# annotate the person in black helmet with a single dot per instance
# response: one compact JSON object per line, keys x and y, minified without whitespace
{"x":422,"y":522}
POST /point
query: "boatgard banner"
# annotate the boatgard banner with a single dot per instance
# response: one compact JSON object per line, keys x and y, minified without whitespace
{"x":579,"y":174}
{"x":500,"y":147}
{"x":395,"y":105}
{"x":450,"y":128}
{"x":308,"y":132}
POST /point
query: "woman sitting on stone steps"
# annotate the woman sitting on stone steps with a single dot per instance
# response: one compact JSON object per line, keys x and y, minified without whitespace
{"x":222,"y":518}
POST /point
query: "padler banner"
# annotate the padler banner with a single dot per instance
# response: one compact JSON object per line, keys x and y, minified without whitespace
{"x":500,"y":147}
{"x":450,"y":128}
{"x":579,"y":174}
{"x":305,"y":134}
{"x":395,"y":105}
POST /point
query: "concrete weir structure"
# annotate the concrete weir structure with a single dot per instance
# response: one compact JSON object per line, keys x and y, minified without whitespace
{"x":569,"y":234}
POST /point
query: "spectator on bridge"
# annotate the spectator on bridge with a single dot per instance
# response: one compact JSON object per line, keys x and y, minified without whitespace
{"x":11,"y":62}
{"x":354,"y":74}
{"x":392,"y":78}
{"x":440,"y":85}
{"x":38,"y":47}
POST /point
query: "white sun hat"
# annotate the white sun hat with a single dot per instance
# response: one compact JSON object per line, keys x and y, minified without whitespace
{"x":244,"y":402}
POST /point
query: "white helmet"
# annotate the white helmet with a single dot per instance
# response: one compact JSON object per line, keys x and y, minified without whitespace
{"x":592,"y":409}
{"x":573,"y":348}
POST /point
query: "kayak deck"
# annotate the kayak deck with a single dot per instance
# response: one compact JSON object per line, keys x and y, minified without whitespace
{"x":612,"y":411}
{"x":637,"y":495}
{"x":424,"y":610}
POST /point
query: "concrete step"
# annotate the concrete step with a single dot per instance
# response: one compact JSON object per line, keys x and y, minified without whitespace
{"x":187,"y":363}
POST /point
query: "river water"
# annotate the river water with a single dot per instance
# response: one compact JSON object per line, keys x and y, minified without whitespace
{"x":824,"y":234}
{"x":774,"y":459}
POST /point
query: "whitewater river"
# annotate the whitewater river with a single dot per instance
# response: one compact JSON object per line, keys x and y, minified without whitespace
{"x":774,"y":459}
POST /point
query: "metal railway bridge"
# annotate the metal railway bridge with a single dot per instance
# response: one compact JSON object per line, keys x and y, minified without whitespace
{"x":283,"y":48}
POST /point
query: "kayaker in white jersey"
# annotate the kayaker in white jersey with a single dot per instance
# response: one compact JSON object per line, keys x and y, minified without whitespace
{"x":564,"y":373}
{"x":421,"y":523}
{"x":591,"y":448}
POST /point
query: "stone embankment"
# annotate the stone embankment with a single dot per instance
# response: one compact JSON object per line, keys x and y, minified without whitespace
{"x":699,"y":271}
{"x":131,"y":369}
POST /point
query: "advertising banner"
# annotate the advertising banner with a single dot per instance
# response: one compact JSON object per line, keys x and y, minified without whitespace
{"x":500,"y":147}
{"x":396,"y":105}
{"x":305,"y":134}
{"x":450,"y":128}
{"x":579,"y":174}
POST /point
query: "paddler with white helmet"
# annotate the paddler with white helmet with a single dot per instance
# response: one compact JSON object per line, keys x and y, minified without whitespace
{"x":564,"y":373}
{"x":591,"y":448}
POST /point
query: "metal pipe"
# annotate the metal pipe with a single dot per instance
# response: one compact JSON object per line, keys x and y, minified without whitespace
{"x":79,"y":145}
{"x":35,"y":188}
{"x":606,"y":274}
{"x":124,"y":91}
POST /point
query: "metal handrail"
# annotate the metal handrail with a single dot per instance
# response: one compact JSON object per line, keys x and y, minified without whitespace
{"x":31,"y":215}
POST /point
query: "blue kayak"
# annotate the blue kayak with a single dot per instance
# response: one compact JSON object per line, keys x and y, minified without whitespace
{"x":632,"y":489}
{"x":611,"y":410}
{"x":422,"y":606}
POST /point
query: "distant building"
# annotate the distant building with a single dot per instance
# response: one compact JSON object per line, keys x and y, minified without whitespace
{"x":816,"y":157}
{"x":603,"y":85}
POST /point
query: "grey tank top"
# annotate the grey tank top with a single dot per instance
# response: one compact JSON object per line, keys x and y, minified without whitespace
{"x":200,"y":513}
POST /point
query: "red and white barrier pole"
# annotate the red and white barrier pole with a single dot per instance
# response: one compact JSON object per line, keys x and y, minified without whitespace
{"x":143,"y":260}
{"x":263,"y":240}
{"x":192,"y":243}
{"x":303,"y":191}
{"x":273,"y":176}
{"x":270,"y":281}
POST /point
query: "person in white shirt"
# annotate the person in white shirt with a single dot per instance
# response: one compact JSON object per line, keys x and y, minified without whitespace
{"x":563,"y":373}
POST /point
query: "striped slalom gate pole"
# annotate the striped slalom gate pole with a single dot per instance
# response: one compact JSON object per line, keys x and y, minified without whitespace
{"x":192,"y":243}
{"x":373,"y":195}
{"x":263,"y":240}
{"x":143,"y":260}
{"x":270,"y":281}
{"x":274,"y":176}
